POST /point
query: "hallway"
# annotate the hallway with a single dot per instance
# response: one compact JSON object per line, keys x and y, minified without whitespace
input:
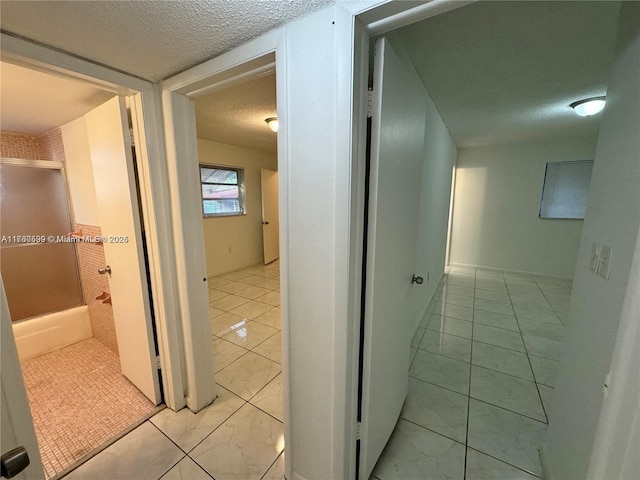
{"x":484,"y":364}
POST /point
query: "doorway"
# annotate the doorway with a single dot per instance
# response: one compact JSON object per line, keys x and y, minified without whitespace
{"x":88,"y":375}
{"x":479,"y":313}
{"x":237,"y":171}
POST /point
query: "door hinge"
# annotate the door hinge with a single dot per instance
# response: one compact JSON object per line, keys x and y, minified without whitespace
{"x":158,"y":364}
{"x":370,"y":103}
{"x":358,"y":430}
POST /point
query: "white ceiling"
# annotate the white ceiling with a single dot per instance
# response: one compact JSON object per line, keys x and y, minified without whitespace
{"x":150,"y":39}
{"x":237,"y":114}
{"x":501,"y":72}
{"x":498,"y":71}
{"x":35,"y":103}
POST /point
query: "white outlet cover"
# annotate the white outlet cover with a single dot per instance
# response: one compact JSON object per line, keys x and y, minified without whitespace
{"x":594,"y":258}
{"x":606,"y":253}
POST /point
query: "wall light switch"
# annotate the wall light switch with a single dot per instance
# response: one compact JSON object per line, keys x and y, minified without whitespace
{"x":594,"y":258}
{"x":605,"y":261}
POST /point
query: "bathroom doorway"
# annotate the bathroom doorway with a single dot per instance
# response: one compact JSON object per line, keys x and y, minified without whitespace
{"x":67,"y":267}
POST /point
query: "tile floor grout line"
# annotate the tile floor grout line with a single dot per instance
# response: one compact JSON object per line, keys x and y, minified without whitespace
{"x":506,"y":463}
{"x":544,"y":410}
{"x":433,"y":431}
{"x":466,"y":438}
{"x":272,"y":464}
{"x":219,"y":425}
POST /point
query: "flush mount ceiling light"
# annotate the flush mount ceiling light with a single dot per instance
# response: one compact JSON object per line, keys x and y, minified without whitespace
{"x":588,"y":106}
{"x":273,"y":123}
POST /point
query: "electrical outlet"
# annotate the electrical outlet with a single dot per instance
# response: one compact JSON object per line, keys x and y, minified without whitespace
{"x":605,"y":261}
{"x":594,"y":258}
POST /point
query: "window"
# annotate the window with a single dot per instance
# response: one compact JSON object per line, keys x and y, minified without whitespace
{"x":222,"y":191}
{"x":565,"y":189}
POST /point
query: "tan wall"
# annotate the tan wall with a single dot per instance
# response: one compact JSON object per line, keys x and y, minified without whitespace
{"x":235,"y":242}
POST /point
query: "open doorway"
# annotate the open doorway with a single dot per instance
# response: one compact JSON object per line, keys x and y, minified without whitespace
{"x":86,"y":344}
{"x":238,"y":164}
{"x":487,"y":334}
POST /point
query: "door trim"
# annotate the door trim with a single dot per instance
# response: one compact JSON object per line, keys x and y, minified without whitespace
{"x":240,"y":64}
{"x":153,"y":185}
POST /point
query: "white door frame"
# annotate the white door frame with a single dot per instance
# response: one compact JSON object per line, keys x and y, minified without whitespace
{"x":242,"y":63}
{"x":146,"y":113}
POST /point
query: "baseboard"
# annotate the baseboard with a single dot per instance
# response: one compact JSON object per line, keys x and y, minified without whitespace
{"x":510,"y":270}
{"x":426,"y":308}
{"x":545,"y":466}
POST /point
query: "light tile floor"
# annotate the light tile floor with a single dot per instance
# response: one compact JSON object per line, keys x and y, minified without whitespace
{"x":484,"y":365}
{"x":239,"y":436}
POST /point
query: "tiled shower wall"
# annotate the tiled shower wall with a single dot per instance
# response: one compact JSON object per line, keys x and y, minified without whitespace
{"x":91,"y":258}
{"x":17,"y":145}
{"x":49,"y":146}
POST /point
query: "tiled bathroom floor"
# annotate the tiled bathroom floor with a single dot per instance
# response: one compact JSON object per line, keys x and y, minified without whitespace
{"x":239,"y":436}
{"x":484,"y":364}
{"x":79,"y":400}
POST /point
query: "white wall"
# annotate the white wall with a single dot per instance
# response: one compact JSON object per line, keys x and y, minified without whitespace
{"x":235,"y":242}
{"x":435,"y":195}
{"x":497,"y":198}
{"x":613,"y":218}
{"x":79,"y":171}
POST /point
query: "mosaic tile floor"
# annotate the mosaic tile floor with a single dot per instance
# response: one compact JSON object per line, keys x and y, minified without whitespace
{"x":79,"y":400}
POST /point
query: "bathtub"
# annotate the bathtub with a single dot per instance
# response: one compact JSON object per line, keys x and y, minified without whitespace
{"x":47,"y":333}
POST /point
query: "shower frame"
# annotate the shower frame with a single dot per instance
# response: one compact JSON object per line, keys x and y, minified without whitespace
{"x":50,"y":165}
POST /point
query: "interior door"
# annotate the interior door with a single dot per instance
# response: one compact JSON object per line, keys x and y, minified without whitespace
{"x":270,"y":222}
{"x":17,"y":426}
{"x":112,"y":160}
{"x":397,"y":142}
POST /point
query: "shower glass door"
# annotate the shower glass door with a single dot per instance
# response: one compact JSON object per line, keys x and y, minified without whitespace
{"x":39,"y":268}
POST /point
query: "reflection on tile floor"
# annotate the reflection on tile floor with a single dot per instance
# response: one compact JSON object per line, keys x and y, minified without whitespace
{"x":240,"y":435}
{"x":484,"y":365}
{"x":79,"y":400}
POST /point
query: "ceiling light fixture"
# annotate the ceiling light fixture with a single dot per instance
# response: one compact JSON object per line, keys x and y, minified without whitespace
{"x":588,"y":106}
{"x":273,"y":123}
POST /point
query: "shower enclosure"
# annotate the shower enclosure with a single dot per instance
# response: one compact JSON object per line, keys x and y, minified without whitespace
{"x":37,"y":255}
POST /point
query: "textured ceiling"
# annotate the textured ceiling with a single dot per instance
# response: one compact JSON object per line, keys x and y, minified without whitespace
{"x":237,"y":114}
{"x":35,"y":103}
{"x":501,"y":72}
{"x":150,"y":39}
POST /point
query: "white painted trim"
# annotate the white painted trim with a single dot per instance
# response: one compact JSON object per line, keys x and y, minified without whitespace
{"x":393,"y":15}
{"x":154,"y":190}
{"x":249,"y":75}
{"x":510,"y":270}
{"x":352,"y":100}
{"x":228,"y":65}
{"x":153,"y":185}
{"x":37,"y":57}
{"x":188,"y":237}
